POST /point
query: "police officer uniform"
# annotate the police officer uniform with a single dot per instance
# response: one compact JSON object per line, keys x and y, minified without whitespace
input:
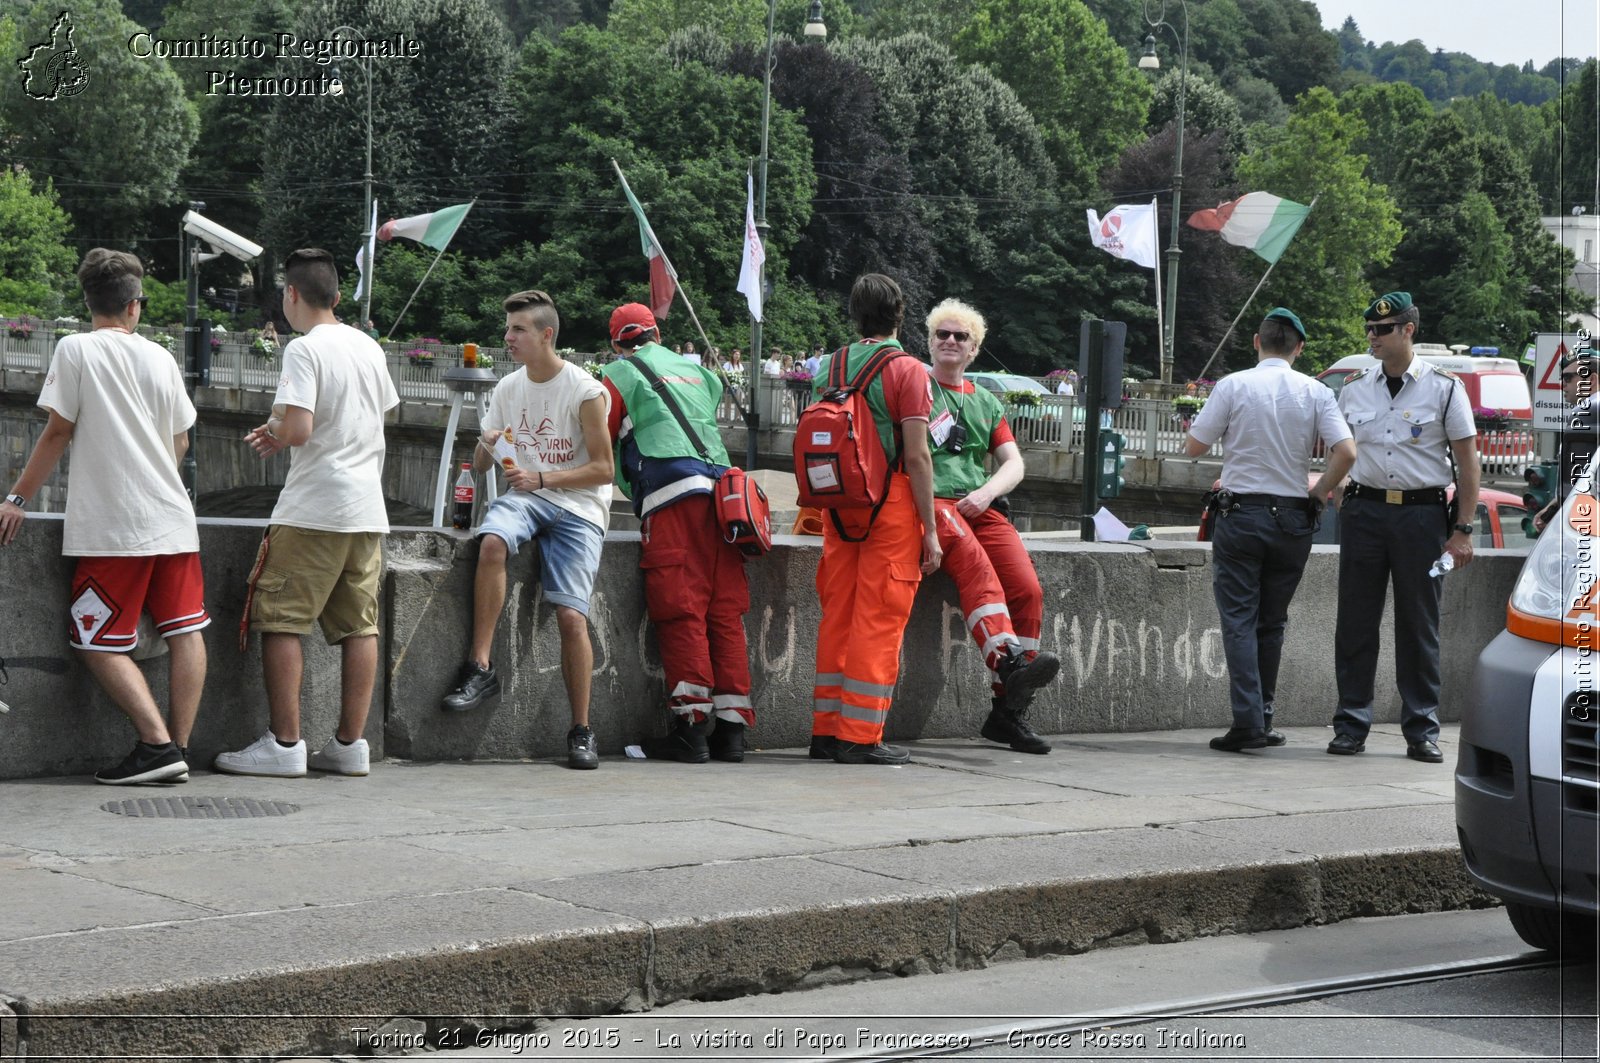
{"x":1268,"y":420}
{"x":1393,"y":527}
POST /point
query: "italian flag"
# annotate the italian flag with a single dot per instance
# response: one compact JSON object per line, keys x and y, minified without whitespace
{"x":1261,"y":221}
{"x":663,"y":278}
{"x":434,"y":229}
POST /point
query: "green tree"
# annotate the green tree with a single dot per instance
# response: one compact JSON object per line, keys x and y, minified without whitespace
{"x":114,"y":150}
{"x":650,"y":22}
{"x":440,"y":124}
{"x":1206,"y":107}
{"x":1352,"y":225}
{"x":36,"y":263}
{"x":685,"y":136}
{"x":1395,"y":116}
{"x":1077,"y":83}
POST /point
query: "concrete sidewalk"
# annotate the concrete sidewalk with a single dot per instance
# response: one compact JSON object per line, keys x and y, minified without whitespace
{"x":493,"y":893}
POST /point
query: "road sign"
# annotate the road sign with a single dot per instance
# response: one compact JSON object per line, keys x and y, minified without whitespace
{"x":1549,"y":408}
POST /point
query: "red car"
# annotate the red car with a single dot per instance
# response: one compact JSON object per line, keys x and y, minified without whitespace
{"x":1498,"y":520}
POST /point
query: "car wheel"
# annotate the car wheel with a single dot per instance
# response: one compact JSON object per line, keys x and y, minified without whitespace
{"x":1564,"y":933}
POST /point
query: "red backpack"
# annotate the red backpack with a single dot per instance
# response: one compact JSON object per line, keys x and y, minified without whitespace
{"x":839,"y":461}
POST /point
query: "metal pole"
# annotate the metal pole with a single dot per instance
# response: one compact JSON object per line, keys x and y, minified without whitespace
{"x":752,"y":418}
{"x":1169,"y":354}
{"x":187,"y":249}
{"x":1089,"y":460}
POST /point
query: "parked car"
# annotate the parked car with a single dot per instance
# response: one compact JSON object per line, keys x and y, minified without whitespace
{"x":1029,"y":427}
{"x":1527,"y":780}
{"x":1498,"y":519}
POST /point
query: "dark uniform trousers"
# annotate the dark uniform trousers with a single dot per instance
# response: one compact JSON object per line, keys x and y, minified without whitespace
{"x":1379,"y":544}
{"x":1257,"y":558}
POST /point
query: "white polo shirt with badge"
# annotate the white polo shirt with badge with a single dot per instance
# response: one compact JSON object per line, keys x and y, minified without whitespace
{"x":1402,"y":442}
{"x":1268,"y":419}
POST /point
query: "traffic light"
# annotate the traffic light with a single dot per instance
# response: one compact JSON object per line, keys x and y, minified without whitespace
{"x":1108,"y":472}
{"x":1541,"y":480}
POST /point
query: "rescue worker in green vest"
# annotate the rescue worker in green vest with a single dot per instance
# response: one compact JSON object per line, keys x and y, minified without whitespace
{"x":694,"y":581}
{"x":1002,"y":604}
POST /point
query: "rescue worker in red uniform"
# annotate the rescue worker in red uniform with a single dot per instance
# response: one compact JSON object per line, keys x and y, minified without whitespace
{"x":694,"y":581}
{"x":866,"y":588}
{"x":1001,"y":600}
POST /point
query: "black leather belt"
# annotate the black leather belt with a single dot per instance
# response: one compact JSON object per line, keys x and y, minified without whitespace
{"x":1282,"y":501}
{"x":1422,"y":496}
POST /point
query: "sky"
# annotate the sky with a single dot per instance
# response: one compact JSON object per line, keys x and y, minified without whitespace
{"x":1540,"y":30}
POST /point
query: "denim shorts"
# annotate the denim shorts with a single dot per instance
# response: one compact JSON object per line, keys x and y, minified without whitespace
{"x":569,"y":546}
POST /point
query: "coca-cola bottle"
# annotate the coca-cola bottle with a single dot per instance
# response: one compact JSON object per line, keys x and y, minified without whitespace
{"x":466,"y":494}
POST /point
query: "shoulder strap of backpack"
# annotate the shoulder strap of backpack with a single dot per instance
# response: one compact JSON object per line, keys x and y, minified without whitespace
{"x":659,"y":386}
{"x":881,"y":356}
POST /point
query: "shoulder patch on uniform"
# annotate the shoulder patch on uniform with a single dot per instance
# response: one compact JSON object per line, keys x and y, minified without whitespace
{"x":1447,"y":374}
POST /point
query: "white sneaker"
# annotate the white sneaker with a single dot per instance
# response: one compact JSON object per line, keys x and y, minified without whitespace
{"x":341,"y":759}
{"x":265,"y":756}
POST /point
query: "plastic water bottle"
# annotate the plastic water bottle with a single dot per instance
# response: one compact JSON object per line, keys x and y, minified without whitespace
{"x":466,"y":494}
{"x":1446,"y":563}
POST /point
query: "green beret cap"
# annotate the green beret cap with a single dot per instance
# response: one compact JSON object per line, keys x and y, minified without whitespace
{"x":1586,"y":354}
{"x":1285,"y":314}
{"x":1388,"y":306}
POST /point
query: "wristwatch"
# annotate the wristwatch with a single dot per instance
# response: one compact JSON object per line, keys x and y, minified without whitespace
{"x":18,"y":501}
{"x":1464,"y":529}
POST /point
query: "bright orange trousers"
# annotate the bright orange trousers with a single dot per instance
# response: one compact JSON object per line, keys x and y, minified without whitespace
{"x":866,"y":590}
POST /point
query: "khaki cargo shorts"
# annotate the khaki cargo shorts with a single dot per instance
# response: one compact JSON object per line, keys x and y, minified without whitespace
{"x":310,"y":576}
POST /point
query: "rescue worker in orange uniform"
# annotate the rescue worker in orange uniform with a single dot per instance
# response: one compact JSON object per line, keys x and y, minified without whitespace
{"x":867,"y":588}
{"x":1001,"y":600}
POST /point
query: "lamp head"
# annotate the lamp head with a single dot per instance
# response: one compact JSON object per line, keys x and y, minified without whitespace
{"x":1149,"y":60}
{"x":815,"y":27}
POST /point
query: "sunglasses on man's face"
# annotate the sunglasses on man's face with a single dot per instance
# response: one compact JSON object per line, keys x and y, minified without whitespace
{"x":946,"y":334}
{"x":1382,"y":329}
{"x":1575,"y":375}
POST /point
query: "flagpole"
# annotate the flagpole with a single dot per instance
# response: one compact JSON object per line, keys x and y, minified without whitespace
{"x":390,"y":334}
{"x":1229,"y":334}
{"x":1160,"y":333}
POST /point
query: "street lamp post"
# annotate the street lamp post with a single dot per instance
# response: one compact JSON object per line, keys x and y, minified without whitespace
{"x":816,"y":29}
{"x":366,"y":210}
{"x":1149,"y":61}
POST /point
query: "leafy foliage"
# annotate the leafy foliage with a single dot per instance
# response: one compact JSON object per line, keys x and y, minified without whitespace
{"x":36,"y":265}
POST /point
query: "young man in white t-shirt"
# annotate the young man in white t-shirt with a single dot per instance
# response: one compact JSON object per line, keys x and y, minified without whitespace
{"x":321,"y":559}
{"x":554,"y":415}
{"x":118,"y":399}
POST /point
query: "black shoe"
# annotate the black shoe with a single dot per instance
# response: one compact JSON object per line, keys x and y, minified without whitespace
{"x":1426,"y":752}
{"x":1276,"y":738}
{"x":1007,"y":728}
{"x":581,"y":751}
{"x":1022,"y":678}
{"x":147,"y":764}
{"x":477,"y":685}
{"x":1239,"y":738}
{"x":1346,"y":745}
{"x":727,"y":742}
{"x":861,"y":753}
{"x":822,"y":747}
{"x":684,"y":743}
{"x":183,"y":751}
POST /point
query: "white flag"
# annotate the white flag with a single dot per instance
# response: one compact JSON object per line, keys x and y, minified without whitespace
{"x":1126,"y":232}
{"x":365,"y":255}
{"x":754,"y":253}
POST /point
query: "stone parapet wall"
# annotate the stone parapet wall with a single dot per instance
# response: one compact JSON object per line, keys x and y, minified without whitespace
{"x":1134,"y":625}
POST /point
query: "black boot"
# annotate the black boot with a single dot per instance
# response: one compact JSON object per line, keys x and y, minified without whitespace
{"x":1022,"y":677}
{"x":1009,"y":728}
{"x":727,"y":742}
{"x":685,"y":743}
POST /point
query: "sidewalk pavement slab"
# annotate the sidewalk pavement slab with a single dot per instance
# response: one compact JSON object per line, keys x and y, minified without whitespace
{"x":494,"y":894}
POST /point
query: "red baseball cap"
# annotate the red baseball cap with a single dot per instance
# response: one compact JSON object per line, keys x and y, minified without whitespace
{"x":630,"y":319}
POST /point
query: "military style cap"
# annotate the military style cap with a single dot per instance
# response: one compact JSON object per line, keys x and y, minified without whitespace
{"x":1586,"y":354}
{"x":1283,"y":313}
{"x":1388,"y":305}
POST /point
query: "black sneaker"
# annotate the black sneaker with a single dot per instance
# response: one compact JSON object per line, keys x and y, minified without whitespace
{"x":1007,"y":728}
{"x":685,"y":743}
{"x":477,"y":685}
{"x":822,"y":747}
{"x":147,"y":764}
{"x":581,"y":751}
{"x":1022,"y":678}
{"x":727,"y":742}
{"x":861,"y":753}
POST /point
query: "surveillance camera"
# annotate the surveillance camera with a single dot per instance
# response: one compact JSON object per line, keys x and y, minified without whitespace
{"x":225,"y":240}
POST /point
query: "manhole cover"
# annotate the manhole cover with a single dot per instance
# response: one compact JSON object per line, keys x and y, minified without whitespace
{"x":200,"y":807}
